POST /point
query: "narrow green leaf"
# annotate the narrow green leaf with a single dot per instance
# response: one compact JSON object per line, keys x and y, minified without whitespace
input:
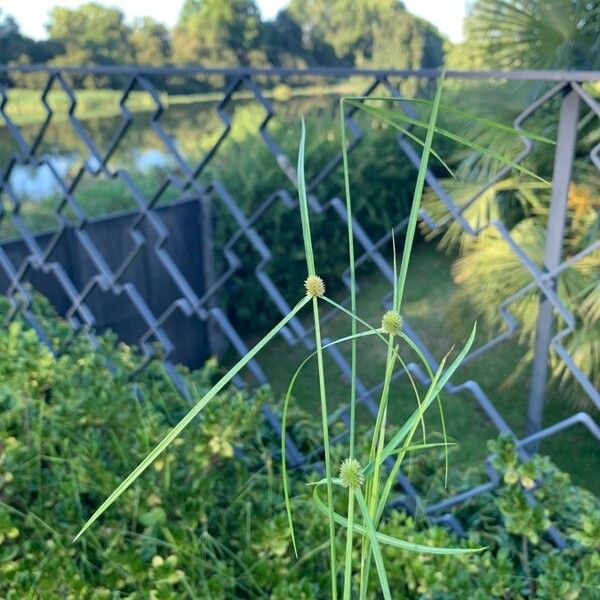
{"x":348,"y":557}
{"x":310,"y":262}
{"x":403,"y":432}
{"x":387,"y":539}
{"x":408,"y":134}
{"x":354,"y":348}
{"x":439,"y":381}
{"x":469,"y":117}
{"x":286,"y":403}
{"x":187,"y":419}
{"x":393,"y":117}
{"x":415,"y":447}
{"x":417,"y":350}
{"x":383,"y":338}
{"x":417,"y":194}
{"x":303,"y":203}
{"x":374,"y":544}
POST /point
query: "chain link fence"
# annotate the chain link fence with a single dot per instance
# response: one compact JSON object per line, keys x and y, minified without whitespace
{"x":156,"y":272}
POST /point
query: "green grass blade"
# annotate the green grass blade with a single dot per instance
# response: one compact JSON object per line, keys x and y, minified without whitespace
{"x":303,"y":203}
{"x":284,"y":413}
{"x":418,"y":192}
{"x":310,"y":262}
{"x":417,"y":350}
{"x":374,"y":544}
{"x":392,"y":118}
{"x":186,"y":420}
{"x":387,"y":539}
{"x":384,"y":339}
{"x":378,"y":441}
{"x":395,"y":266}
{"x":354,"y":349}
{"x":439,"y":381}
{"x":405,"y":430}
{"x":351,"y":264}
{"x":415,"y":447}
{"x":349,"y":544}
{"x":470,"y":117}
{"x":326,"y":445}
{"x":406,"y":132}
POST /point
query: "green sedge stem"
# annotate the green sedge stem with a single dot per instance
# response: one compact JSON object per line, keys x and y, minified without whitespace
{"x":349,"y":543}
{"x":353,"y":357}
{"x":377,"y":445}
{"x":416,"y":201}
{"x":326,"y":448}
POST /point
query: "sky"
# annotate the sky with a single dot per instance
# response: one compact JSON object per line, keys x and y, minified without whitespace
{"x":446,"y":15}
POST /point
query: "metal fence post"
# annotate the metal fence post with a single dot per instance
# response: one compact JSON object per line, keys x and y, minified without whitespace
{"x":561,"y":179}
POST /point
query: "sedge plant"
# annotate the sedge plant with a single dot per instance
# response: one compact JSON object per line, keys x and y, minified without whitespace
{"x":367,"y":486}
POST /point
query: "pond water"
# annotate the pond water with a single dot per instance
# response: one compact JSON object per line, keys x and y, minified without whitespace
{"x":139,"y":148}
{"x":193,"y":128}
{"x":37,"y":183}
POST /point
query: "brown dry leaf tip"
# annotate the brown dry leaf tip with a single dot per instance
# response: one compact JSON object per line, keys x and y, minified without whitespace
{"x":315,"y":287}
{"x":449,"y":352}
{"x":392,"y":322}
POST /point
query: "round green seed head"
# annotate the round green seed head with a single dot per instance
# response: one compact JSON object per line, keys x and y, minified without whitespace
{"x":351,"y":473}
{"x":391,"y":322}
{"x":315,"y":287}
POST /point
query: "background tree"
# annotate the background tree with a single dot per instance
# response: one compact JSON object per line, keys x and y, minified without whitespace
{"x":404,"y":41}
{"x":216,"y":32}
{"x":526,"y":34}
{"x":90,"y":34}
{"x":286,"y":44}
{"x":18,"y":48}
{"x":150,"y":42}
{"x":346,"y":25}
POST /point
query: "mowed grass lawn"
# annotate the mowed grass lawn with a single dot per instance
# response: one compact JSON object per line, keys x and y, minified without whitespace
{"x":432,"y":307}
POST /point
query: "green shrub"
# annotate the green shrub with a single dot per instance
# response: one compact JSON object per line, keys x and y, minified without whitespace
{"x":208,"y":520}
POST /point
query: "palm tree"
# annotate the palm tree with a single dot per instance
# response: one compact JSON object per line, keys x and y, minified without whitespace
{"x":526,"y":34}
{"x":536,"y":34}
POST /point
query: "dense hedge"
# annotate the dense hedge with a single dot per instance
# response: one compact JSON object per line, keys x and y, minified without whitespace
{"x":207,"y":520}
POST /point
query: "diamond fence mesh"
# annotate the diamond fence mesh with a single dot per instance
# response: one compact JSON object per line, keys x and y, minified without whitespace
{"x":162,"y":269}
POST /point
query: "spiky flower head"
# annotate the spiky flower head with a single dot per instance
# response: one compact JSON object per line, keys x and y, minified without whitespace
{"x":351,"y":473}
{"x":527,"y":482}
{"x":391,"y":322}
{"x":315,"y":287}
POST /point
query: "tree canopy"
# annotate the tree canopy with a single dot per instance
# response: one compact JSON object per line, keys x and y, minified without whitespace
{"x":90,"y":34}
{"x":213,"y":29}
{"x":505,"y":34}
{"x":216,"y":33}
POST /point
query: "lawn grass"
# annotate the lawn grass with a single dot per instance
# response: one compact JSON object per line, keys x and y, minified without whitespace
{"x":433,"y":313}
{"x":24,"y":106}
